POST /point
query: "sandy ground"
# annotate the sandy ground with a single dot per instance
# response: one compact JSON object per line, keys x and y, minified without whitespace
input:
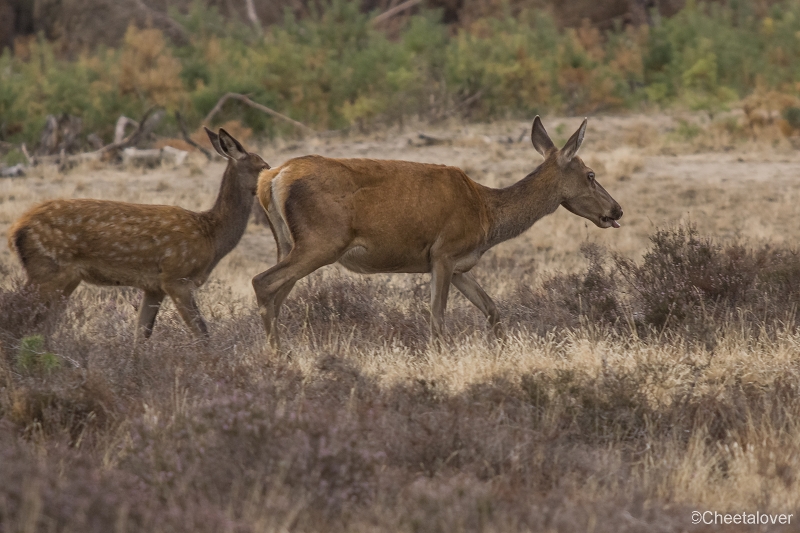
{"x":742,"y":190}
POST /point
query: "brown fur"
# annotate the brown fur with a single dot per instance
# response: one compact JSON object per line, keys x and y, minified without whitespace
{"x":161,"y":249}
{"x":398,"y":216}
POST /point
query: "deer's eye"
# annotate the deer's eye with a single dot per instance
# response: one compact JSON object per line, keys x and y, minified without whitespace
{"x":591,"y":176}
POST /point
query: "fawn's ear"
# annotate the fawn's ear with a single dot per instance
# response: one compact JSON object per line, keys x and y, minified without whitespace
{"x":230,"y":146}
{"x":214,"y":138}
{"x":573,"y":144}
{"x":540,"y":139}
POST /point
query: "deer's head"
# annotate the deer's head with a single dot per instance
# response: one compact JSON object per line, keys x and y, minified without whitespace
{"x":580,"y":192}
{"x":245,"y":165}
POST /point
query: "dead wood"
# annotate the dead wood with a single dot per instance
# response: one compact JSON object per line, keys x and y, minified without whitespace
{"x":122,"y":123}
{"x":15,"y":171}
{"x":251,"y":14}
{"x":245,"y":100}
{"x":95,"y":140}
{"x":60,"y":134}
{"x":389,"y":13}
{"x":27,"y":155}
{"x":144,"y":128}
{"x":189,"y":140}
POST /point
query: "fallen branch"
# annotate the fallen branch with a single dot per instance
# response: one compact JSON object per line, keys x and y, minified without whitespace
{"x":189,"y":140}
{"x":27,"y":155}
{"x":144,"y":128}
{"x":245,"y":100}
{"x":386,"y":15}
{"x":122,"y":123}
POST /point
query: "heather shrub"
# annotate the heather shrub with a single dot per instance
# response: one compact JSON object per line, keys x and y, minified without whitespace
{"x":19,"y":317}
{"x":363,"y":307}
{"x":684,"y":275}
{"x":686,"y":284}
{"x":568,"y":300}
{"x":690,"y":284}
{"x":68,"y":404}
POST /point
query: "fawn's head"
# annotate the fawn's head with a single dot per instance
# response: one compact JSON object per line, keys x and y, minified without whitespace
{"x":581,"y":193}
{"x":245,"y":165}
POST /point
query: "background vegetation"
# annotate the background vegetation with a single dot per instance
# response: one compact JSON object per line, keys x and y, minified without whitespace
{"x":334,"y":69}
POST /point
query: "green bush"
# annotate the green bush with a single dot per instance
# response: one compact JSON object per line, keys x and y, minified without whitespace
{"x":32,"y":356}
{"x":333,"y":68}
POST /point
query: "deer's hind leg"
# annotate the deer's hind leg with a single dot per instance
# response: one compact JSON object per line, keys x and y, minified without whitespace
{"x":49,"y":280}
{"x":309,"y":233}
{"x":52,"y":294}
{"x":274,"y":285}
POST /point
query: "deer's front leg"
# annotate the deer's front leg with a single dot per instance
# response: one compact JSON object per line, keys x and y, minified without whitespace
{"x":181,"y":293}
{"x":474,"y":293}
{"x":441,"y":275}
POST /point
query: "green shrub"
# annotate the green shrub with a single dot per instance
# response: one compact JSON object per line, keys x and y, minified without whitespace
{"x":32,"y":356}
{"x":333,"y":68}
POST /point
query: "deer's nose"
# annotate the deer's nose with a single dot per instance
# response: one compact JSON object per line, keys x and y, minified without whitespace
{"x":616,"y":213}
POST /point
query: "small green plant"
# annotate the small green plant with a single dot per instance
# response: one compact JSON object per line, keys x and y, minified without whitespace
{"x":792,"y":116}
{"x":32,"y":356}
{"x":14,"y":157}
{"x":686,"y":130}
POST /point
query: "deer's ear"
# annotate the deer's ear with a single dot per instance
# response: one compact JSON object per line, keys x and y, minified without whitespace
{"x":540,"y":139}
{"x":214,"y":138}
{"x":573,"y":144}
{"x":230,"y":146}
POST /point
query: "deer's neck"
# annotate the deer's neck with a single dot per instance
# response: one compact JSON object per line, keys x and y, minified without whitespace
{"x":516,"y":208}
{"x":227,"y":219}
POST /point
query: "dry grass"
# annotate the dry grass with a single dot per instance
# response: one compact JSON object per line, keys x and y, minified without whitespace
{"x":595,"y":416}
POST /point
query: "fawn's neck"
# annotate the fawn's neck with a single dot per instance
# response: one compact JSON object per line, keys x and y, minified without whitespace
{"x":227,"y":219}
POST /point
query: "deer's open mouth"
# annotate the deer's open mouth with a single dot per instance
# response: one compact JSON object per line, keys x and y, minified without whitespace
{"x":611,"y":222}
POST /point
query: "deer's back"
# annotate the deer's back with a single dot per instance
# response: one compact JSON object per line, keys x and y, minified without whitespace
{"x":112,"y":243}
{"x":385,"y":200}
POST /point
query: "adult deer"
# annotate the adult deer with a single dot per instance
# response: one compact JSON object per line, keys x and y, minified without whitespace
{"x":396,"y":216}
{"x":161,"y":249}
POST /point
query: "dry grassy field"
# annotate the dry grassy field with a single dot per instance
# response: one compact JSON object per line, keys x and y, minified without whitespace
{"x":651,"y":371}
